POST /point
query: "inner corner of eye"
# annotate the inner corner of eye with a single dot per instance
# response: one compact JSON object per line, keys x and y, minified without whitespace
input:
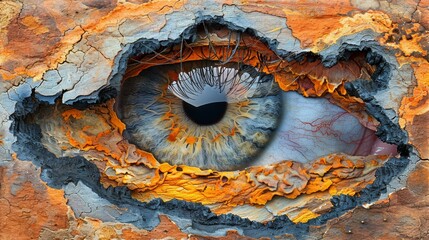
{"x":219,"y":110}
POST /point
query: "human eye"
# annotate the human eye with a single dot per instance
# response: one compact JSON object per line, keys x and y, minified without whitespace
{"x":218,"y":122}
{"x":211,"y":110}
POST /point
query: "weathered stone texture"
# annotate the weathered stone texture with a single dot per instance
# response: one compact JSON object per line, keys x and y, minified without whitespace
{"x":74,"y":48}
{"x":403,"y":216}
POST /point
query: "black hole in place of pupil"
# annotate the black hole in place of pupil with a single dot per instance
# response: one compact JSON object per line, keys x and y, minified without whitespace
{"x":207,"y":114}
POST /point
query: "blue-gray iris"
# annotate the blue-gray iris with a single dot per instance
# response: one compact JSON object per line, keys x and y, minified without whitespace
{"x":152,"y":107}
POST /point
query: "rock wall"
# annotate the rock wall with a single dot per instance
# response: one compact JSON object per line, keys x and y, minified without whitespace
{"x":61,"y":67}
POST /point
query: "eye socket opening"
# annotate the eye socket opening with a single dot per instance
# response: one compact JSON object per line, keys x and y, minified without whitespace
{"x":306,"y":73}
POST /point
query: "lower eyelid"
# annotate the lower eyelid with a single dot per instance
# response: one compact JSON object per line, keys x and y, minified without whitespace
{"x":140,"y":170}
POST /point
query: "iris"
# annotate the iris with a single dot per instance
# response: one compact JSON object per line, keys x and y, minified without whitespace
{"x":201,"y":113}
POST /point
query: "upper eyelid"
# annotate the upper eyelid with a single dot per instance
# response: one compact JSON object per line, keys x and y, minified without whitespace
{"x":267,"y":55}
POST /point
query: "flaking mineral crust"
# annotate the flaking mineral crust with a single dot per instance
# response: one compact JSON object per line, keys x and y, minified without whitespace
{"x":62,"y":63}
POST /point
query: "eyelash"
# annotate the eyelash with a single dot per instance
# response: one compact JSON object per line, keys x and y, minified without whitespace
{"x":246,"y":51}
{"x":195,"y":80}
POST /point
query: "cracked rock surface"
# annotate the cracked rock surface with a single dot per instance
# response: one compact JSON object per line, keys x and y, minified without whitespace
{"x":69,"y":52}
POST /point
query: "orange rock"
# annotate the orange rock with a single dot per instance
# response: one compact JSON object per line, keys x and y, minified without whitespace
{"x":404,"y":215}
{"x":27,"y":205}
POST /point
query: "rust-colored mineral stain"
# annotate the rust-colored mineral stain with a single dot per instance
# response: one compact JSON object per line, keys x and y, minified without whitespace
{"x":34,"y":24}
{"x":402,"y":215}
{"x":418,"y":180}
{"x":308,"y":21}
{"x":414,"y":110}
{"x":307,"y":29}
{"x":27,"y":205}
{"x":165,"y":229}
{"x":76,"y":114}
